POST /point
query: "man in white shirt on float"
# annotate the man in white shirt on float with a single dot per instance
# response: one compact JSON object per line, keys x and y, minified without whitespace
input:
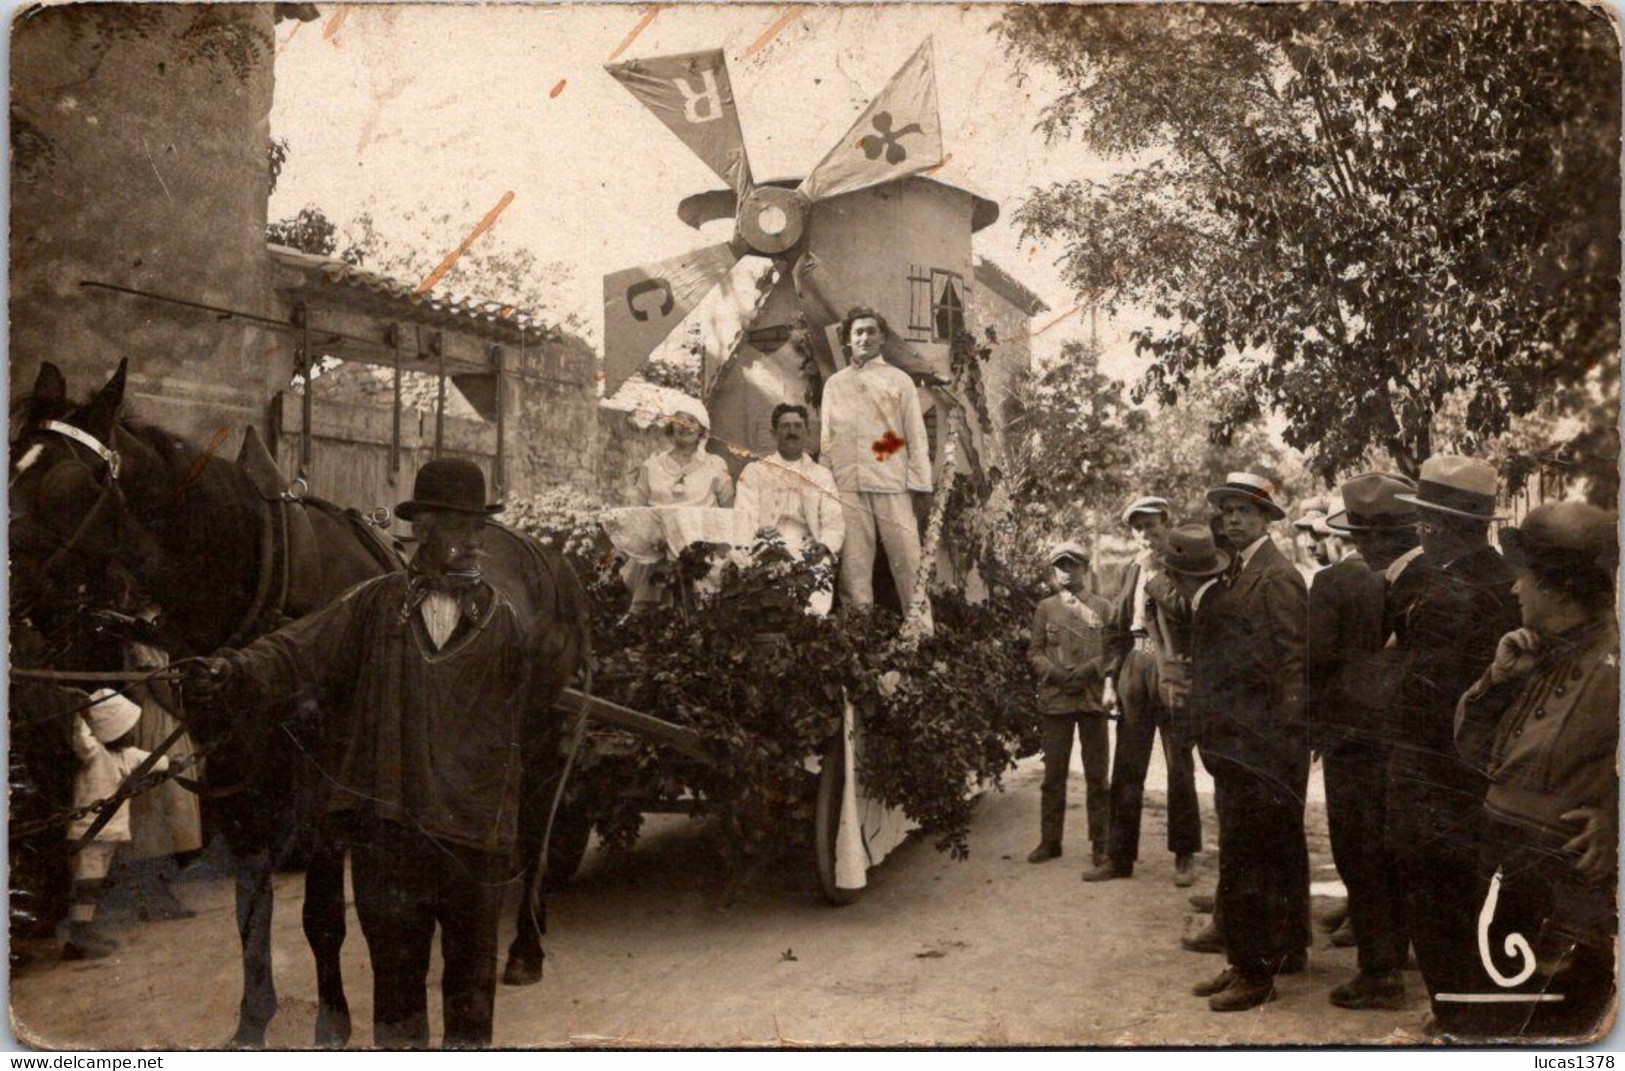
{"x":795,"y":496}
{"x":873,"y":440}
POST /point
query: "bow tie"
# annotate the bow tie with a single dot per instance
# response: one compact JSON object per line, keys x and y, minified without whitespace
{"x":464,"y":585}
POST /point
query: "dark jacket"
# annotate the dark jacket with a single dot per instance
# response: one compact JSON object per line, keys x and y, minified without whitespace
{"x":1068,"y":653}
{"x":1249,"y":668}
{"x":1119,"y":627}
{"x":1447,"y":623}
{"x":427,"y":738}
{"x":1344,"y":652}
{"x":1547,"y":741}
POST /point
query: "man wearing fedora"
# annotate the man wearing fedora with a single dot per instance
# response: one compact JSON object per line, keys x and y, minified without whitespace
{"x":1067,"y":657}
{"x":1543,"y":723}
{"x":425,"y":756}
{"x":1452,"y":608}
{"x":1350,"y":678}
{"x":1248,"y":688}
{"x":1139,"y":654}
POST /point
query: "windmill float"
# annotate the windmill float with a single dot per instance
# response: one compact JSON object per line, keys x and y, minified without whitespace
{"x":871,"y":224}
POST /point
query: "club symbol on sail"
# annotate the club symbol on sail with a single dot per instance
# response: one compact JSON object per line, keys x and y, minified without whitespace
{"x":890,"y":141}
{"x":1516,"y":945}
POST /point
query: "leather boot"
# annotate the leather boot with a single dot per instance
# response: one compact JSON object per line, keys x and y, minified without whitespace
{"x":1370,"y":991}
{"x":1202,"y":902}
{"x":1246,"y":991}
{"x":1204,"y":940}
{"x":1184,"y":870}
{"x":1107,"y":871}
{"x":1217,"y":984}
{"x":1045,"y":851}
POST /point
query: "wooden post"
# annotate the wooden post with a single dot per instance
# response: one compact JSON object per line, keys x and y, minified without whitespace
{"x":392,"y":335}
{"x":499,"y":368}
{"x":438,"y":345}
{"x":307,"y":406}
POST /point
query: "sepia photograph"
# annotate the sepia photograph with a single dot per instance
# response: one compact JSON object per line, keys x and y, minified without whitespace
{"x":813,"y":526}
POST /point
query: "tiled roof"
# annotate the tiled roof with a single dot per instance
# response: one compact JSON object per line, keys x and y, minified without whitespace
{"x":1008,"y":287}
{"x":491,"y":318}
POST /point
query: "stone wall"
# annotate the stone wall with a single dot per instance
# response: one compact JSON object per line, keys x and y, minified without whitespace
{"x":552,"y":437}
{"x":1012,"y":353}
{"x":139,"y":140}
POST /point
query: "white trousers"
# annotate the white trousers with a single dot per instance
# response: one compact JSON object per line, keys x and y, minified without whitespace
{"x":890,"y":518}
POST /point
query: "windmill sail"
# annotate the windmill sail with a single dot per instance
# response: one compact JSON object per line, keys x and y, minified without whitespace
{"x":643,"y":305}
{"x":692,"y":94}
{"x":898,"y":134}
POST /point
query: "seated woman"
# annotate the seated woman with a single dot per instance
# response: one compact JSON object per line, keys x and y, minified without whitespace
{"x":684,"y":475}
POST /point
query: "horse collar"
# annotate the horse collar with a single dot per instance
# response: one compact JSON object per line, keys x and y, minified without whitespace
{"x":85,"y":439}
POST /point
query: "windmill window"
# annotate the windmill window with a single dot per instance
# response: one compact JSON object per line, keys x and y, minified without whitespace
{"x":947,"y":305}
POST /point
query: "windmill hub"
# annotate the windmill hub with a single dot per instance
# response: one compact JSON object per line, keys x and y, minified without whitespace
{"x":772,"y":219}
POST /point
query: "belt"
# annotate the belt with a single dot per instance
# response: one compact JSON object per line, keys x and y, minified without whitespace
{"x":1143,"y":644}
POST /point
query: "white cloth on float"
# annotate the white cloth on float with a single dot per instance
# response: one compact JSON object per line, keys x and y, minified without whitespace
{"x":869,"y":830}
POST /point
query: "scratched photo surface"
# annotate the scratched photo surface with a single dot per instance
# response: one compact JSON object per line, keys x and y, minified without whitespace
{"x":596,"y":525}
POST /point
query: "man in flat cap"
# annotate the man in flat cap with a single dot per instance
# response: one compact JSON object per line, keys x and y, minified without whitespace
{"x":1068,"y":659}
{"x":1543,"y":724}
{"x":1449,"y":615}
{"x":1350,"y":670}
{"x":1138,"y":654}
{"x":1249,"y":680}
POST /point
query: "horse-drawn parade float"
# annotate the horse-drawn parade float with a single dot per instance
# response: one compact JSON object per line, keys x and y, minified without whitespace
{"x":811,"y":739}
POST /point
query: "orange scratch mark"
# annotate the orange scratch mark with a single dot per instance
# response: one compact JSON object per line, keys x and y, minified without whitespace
{"x":766,"y":36}
{"x":455,"y":255}
{"x":887,"y":445}
{"x":940,"y":166}
{"x":1069,"y":312}
{"x":290,"y":37}
{"x":333,"y":24}
{"x":557,"y":89}
{"x":643,"y":24}
{"x":196,"y":468}
{"x":505,"y":312}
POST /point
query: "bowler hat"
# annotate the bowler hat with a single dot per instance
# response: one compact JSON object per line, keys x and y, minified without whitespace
{"x":1564,"y":537}
{"x":1255,"y":489}
{"x":1460,"y":486}
{"x":448,"y":483}
{"x":1190,"y":551}
{"x":1372,"y":503}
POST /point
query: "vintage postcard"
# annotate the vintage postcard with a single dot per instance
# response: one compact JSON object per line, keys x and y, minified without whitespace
{"x":618,"y":525}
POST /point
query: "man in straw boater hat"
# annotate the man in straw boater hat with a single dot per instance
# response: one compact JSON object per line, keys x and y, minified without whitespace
{"x":1248,"y":688}
{"x":1454,"y":606}
{"x":430,"y":669}
{"x":1139,"y":654}
{"x":1350,"y":683}
{"x":1068,"y":658}
{"x":1543,"y":722}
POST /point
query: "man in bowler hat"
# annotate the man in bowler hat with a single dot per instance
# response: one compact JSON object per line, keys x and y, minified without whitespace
{"x":425,"y":754}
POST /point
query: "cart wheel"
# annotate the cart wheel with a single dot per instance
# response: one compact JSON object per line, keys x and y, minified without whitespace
{"x":572,"y":832}
{"x":827,"y":823}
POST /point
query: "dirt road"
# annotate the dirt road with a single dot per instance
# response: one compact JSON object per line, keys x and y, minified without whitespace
{"x":991,"y":951}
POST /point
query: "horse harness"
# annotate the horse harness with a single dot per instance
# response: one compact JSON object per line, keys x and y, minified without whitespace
{"x":109,"y":486}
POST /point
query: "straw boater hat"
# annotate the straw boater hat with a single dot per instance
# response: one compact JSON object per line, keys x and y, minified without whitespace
{"x":1147,"y":504}
{"x":1320,"y":527}
{"x":448,"y":483}
{"x":1068,"y":549}
{"x":112,"y":716}
{"x":1255,"y":489}
{"x":1190,"y":551}
{"x":1459,"y":486}
{"x":1371,"y":504}
{"x":1314,"y":509}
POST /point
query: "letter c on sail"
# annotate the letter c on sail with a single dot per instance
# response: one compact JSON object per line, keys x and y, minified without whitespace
{"x":1515,"y":946}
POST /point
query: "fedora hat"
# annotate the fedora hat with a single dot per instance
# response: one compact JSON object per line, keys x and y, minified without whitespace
{"x":1068,"y":549}
{"x":1371,"y":503}
{"x":1255,"y":489}
{"x":448,"y":483}
{"x":1460,"y":486}
{"x":1564,"y":537}
{"x":1146,"y":504}
{"x":1190,"y":551}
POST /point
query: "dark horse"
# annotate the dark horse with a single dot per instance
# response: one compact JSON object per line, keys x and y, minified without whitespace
{"x":101,"y":507}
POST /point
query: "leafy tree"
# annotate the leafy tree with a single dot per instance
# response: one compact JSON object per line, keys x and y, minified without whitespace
{"x":310,"y":231}
{"x":1362,"y":210}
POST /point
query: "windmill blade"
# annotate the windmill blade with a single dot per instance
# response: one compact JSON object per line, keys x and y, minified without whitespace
{"x":642,"y":305}
{"x":691,"y":93}
{"x":899,"y":133}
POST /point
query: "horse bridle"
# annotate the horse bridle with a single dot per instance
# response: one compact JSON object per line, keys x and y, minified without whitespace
{"x":110,"y":486}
